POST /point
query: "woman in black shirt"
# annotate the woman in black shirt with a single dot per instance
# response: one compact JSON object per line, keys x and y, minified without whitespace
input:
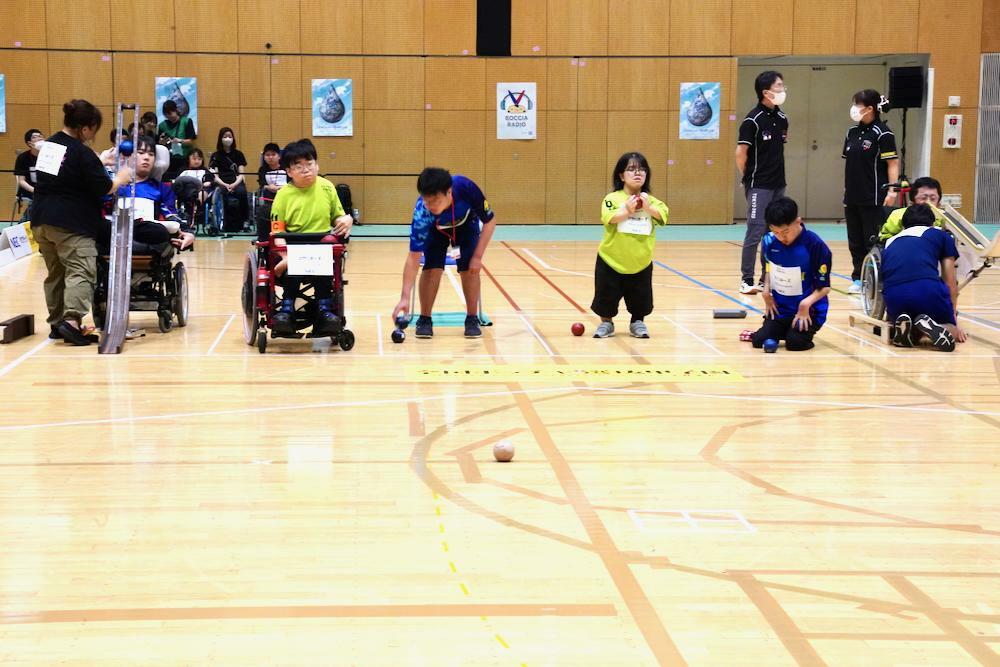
{"x":228,"y":164}
{"x":67,"y":217}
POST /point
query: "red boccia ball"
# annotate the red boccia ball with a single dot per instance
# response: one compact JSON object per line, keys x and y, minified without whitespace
{"x":577,"y":328}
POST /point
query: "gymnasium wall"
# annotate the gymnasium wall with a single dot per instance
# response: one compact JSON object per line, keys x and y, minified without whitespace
{"x":608,"y":73}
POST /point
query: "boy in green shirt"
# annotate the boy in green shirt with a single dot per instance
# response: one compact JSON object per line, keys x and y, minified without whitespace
{"x":308,"y":205}
{"x":625,"y":257}
{"x":925,"y":190}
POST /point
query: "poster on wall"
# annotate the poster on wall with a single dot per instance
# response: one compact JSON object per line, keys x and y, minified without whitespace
{"x":181,"y":89}
{"x":333,"y":107}
{"x":3,"y":103}
{"x":700,"y":110}
{"x":517,"y":112}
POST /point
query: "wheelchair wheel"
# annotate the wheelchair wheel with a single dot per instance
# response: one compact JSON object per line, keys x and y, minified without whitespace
{"x":262,"y":341}
{"x":871,"y":284}
{"x":166,"y":320}
{"x":345,"y":340}
{"x":180,"y":304}
{"x":251,"y":316}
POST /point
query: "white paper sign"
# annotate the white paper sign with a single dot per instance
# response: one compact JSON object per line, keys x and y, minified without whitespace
{"x":50,"y":158}
{"x":144,"y":208}
{"x":15,"y":238}
{"x":639,"y":222}
{"x":517,"y":112}
{"x":786,"y":280}
{"x":310,"y":260}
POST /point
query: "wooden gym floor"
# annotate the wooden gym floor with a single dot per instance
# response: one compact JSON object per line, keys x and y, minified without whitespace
{"x":699,"y":503}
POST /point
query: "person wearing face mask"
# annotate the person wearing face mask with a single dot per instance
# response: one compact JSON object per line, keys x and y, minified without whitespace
{"x":24,"y":170}
{"x":68,"y":220}
{"x":760,"y":158}
{"x":870,"y":163}
{"x":228,"y":164}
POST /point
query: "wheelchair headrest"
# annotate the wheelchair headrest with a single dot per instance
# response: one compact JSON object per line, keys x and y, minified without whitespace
{"x":161,"y":163}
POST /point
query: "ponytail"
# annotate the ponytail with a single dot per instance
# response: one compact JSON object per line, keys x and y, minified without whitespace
{"x":78,"y":114}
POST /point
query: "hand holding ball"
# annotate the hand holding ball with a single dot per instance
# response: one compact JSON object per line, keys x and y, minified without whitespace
{"x":126,"y":148}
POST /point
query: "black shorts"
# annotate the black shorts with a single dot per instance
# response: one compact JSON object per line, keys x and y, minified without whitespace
{"x":436,"y":247}
{"x":610,"y":287}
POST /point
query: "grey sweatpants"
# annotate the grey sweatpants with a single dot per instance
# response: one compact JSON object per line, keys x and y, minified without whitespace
{"x":757,"y":201}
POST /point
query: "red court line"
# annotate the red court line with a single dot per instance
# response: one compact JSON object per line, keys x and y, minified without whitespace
{"x":502,"y":290}
{"x":545,"y":278}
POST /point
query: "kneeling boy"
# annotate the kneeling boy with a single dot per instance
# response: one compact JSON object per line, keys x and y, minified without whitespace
{"x":796,"y":280}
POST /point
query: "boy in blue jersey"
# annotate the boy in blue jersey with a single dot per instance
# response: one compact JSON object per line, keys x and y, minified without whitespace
{"x":156,"y":219}
{"x":797,"y":267}
{"x":919,"y":282}
{"x":446,"y":220}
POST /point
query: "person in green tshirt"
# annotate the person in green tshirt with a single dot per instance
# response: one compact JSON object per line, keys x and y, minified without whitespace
{"x":307,"y":205}
{"x":625,"y":257}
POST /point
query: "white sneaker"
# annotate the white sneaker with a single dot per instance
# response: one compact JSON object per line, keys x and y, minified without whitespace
{"x":747,"y":288}
{"x":638,"y":329}
{"x":605,"y":330}
{"x":855,"y":287}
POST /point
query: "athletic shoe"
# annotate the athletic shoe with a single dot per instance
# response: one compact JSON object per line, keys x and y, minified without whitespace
{"x":605,"y":330}
{"x":748,"y":288}
{"x":425,"y":327}
{"x":472,"y":329}
{"x":904,"y":331}
{"x":327,"y":323}
{"x":638,"y":329}
{"x":940,"y":337}
{"x":855,"y":287}
{"x":72,"y":335}
{"x":55,"y":335}
{"x":283,"y":321}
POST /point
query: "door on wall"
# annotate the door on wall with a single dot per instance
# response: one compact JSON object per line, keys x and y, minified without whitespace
{"x":819,"y":98}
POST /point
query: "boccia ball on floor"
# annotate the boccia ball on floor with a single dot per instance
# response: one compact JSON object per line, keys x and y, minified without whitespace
{"x":577,"y":328}
{"x":503,"y":451}
{"x":770,"y":345}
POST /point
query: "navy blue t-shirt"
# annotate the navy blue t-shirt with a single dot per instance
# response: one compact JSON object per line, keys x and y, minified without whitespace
{"x":915,"y":254}
{"x":469,"y":208}
{"x":796,"y":271}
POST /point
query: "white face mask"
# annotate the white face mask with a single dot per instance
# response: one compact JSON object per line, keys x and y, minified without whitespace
{"x":856,"y":114}
{"x":778,"y":98}
{"x":38,"y":144}
{"x":227,"y":142}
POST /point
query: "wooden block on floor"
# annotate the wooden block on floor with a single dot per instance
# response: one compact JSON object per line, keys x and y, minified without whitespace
{"x":16,"y":328}
{"x":858,"y":320}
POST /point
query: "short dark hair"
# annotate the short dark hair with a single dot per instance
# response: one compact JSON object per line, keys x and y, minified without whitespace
{"x":146,"y":143}
{"x":195,"y":151}
{"x":271,"y":146}
{"x":115,"y":133}
{"x":764,"y":81}
{"x":303,"y":149}
{"x":925,"y":182}
{"x":218,"y":141}
{"x":781,"y":212}
{"x":918,"y":215}
{"x":27,"y":135}
{"x":78,"y":114}
{"x":169,"y":107}
{"x":150,"y":117}
{"x":623,"y":162}
{"x":871,"y":98}
{"x":433,"y":180}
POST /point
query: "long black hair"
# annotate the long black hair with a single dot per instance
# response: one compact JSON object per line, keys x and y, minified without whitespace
{"x":218,"y":142}
{"x":623,"y":162}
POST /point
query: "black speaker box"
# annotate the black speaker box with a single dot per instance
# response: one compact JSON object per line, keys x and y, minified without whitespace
{"x":906,"y":87}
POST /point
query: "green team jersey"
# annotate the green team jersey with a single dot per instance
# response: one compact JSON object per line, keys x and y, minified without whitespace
{"x":894,"y":224}
{"x":628,"y":246}
{"x":309,"y":210}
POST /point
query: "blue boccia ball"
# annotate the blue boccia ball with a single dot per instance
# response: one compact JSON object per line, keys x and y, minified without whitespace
{"x":770,"y":345}
{"x":126,"y":148}
{"x":402,"y":321}
{"x":398,"y":336}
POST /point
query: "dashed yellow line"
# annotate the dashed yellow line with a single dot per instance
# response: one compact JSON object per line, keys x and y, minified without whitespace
{"x":464,"y":589}
{"x":502,"y":642}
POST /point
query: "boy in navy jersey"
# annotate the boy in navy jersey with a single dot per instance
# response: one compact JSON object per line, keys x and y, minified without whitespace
{"x":797,"y":267}
{"x":919,"y":282}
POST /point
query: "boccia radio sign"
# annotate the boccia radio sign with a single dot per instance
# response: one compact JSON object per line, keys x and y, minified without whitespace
{"x":517,"y":111}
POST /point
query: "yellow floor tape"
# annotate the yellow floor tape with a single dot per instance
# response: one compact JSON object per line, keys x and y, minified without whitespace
{"x":588,"y":373}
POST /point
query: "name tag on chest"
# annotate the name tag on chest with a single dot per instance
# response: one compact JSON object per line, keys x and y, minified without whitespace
{"x":144,"y":208}
{"x":639,"y":223}
{"x":786,"y":280}
{"x":310,"y":260}
{"x":50,"y":158}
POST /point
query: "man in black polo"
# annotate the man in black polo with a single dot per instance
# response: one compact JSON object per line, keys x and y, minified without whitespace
{"x":760,"y":158}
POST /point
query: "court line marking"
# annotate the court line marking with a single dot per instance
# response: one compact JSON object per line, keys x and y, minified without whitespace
{"x":536,"y":335}
{"x":688,"y":517}
{"x":488,"y":394}
{"x":378,"y":334}
{"x":283,"y":357}
{"x":218,"y":338}
{"x":24,"y":357}
{"x":691,"y":333}
{"x":553,"y":268}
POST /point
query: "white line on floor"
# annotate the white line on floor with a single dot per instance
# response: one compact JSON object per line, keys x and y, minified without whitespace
{"x":536,"y":335}
{"x":17,"y":362}
{"x":218,"y":338}
{"x":691,"y":333}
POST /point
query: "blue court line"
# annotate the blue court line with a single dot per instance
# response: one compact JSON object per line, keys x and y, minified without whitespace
{"x":708,"y":287}
{"x":847,"y":278}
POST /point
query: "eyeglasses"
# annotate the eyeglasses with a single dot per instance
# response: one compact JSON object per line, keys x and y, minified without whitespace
{"x":635,"y":170}
{"x":303,"y":166}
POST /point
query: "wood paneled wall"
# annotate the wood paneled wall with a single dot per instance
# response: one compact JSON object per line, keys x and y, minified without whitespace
{"x":608,"y":73}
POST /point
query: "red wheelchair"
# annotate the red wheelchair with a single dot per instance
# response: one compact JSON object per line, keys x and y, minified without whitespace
{"x":306,"y":257}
